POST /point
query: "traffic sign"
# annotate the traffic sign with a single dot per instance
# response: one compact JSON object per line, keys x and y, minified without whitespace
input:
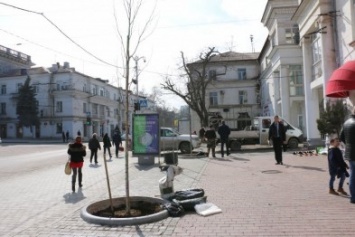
{"x":143,"y":103}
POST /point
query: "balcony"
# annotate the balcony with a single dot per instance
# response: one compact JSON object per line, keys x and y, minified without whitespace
{"x":15,"y":55}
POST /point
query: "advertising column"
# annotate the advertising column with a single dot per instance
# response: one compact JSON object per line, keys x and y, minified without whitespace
{"x":146,"y":137}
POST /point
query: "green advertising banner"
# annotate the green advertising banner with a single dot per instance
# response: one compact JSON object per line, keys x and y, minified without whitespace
{"x":146,"y":134}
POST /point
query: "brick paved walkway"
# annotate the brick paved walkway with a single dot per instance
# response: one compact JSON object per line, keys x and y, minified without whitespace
{"x":257,"y":198}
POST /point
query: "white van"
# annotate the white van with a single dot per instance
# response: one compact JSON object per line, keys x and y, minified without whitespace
{"x":258,"y":133}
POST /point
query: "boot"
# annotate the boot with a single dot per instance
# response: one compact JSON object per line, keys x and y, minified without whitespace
{"x":342,"y":191}
{"x":80,"y":180}
{"x":332,"y":191}
{"x":73,"y":187}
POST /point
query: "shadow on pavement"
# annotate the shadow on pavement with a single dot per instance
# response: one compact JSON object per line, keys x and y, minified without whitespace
{"x":306,"y":168}
{"x":240,"y":159}
{"x":139,"y":231}
{"x":74,"y":197}
{"x":146,"y":167}
{"x":222,"y":159}
{"x":94,"y":165}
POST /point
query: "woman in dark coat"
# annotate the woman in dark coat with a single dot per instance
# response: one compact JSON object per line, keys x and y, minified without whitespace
{"x":117,"y":141}
{"x":107,"y":145}
{"x":94,"y":145}
{"x":77,"y":151}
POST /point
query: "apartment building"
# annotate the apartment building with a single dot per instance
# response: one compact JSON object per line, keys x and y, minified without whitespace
{"x":67,"y":100}
{"x":233,"y":93}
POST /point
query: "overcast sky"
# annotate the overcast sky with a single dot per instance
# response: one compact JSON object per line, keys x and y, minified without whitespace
{"x":190,"y":26}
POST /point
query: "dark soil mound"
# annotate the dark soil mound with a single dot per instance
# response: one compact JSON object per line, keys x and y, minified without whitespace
{"x":139,"y":208}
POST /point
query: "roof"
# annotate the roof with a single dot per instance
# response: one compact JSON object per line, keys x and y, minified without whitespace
{"x":231,"y":56}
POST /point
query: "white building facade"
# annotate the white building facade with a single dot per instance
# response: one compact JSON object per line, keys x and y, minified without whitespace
{"x":327,"y":39}
{"x":68,"y":101}
{"x":233,"y":93}
{"x":282,"y":85}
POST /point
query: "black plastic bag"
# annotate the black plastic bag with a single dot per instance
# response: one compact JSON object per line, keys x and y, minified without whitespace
{"x":174,"y":209}
{"x":188,"y":194}
{"x":189,"y":204}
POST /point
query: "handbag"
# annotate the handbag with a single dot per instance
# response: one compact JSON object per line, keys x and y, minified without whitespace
{"x":121,"y":148}
{"x":67,"y":169}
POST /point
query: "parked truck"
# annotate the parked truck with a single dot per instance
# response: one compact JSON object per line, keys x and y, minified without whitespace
{"x":258,"y":133}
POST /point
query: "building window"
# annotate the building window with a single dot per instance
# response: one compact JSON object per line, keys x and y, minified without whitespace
{"x":3,"y":89}
{"x":94,"y":90}
{"x":59,"y":107}
{"x":316,"y":48}
{"x":213,"y":98}
{"x":212,"y":75}
{"x":19,"y":85}
{"x":292,"y":35}
{"x":59,"y":128}
{"x":102,"y":110}
{"x":3,"y":108}
{"x":94,"y":109}
{"x":108,"y":112}
{"x":243,"y":97}
{"x":242,"y":74}
{"x":296,"y":80}
{"x":101,"y":92}
{"x":84,"y":107}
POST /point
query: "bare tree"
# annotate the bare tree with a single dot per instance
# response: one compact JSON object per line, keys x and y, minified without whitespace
{"x":195,"y":84}
{"x":136,"y":31}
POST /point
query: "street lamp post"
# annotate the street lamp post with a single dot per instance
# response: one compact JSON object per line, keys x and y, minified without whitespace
{"x":136,"y":59}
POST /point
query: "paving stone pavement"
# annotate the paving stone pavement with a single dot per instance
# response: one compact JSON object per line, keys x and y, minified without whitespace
{"x":257,"y":198}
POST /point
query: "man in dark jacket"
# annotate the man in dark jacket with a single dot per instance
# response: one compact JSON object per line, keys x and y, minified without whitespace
{"x":347,"y":135}
{"x":94,"y":145}
{"x":278,"y":135}
{"x":117,"y":141}
{"x":224,"y":132}
{"x":211,"y":136}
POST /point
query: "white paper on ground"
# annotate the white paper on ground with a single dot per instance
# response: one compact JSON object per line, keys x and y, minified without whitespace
{"x":206,"y":209}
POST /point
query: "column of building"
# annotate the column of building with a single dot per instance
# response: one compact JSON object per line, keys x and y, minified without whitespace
{"x":328,"y":50}
{"x":285,"y":93}
{"x":311,"y":96}
{"x":276,"y":82}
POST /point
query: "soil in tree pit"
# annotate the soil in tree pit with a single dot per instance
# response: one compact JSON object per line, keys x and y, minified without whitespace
{"x":140,"y":208}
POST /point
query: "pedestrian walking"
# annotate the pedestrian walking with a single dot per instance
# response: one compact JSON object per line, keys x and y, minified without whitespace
{"x":277,"y":134}
{"x":107,"y":145}
{"x":210,"y":136}
{"x":347,"y":135}
{"x":337,"y":167}
{"x":78,"y":133}
{"x":63,"y":136}
{"x":117,"y":141}
{"x":224,"y":132}
{"x":67,"y":135}
{"x":94,"y":145}
{"x":77,"y":151}
{"x":201,"y":134}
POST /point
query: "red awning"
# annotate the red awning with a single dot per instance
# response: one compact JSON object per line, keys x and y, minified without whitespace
{"x":341,"y":81}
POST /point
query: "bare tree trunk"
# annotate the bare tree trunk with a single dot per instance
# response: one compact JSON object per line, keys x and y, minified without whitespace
{"x":128,"y":204}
